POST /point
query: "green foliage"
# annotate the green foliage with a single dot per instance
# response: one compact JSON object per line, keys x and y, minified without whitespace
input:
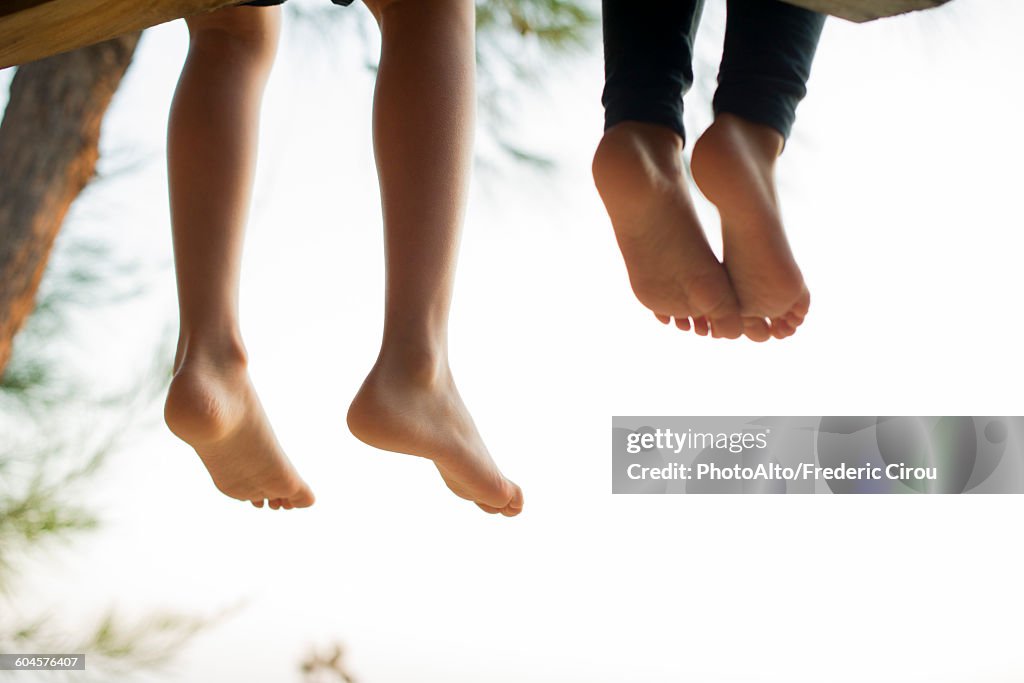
{"x":115,"y":646}
{"x":557,"y":25}
{"x":56,"y":435}
{"x":518,"y":41}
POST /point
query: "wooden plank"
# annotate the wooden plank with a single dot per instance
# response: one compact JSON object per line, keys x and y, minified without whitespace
{"x":866,"y":10}
{"x":33,"y":29}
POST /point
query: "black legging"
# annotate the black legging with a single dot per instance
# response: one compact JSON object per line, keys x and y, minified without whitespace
{"x":648,"y":48}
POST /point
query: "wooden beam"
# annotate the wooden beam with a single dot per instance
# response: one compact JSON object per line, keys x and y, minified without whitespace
{"x":33,"y":29}
{"x":866,"y":10}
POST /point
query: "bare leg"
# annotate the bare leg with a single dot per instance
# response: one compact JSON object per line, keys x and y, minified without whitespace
{"x":423,"y":123}
{"x":211,"y":155}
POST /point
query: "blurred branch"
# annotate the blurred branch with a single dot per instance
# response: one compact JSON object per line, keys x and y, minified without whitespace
{"x":329,"y":667}
{"x":59,"y":431}
{"x":517,"y":43}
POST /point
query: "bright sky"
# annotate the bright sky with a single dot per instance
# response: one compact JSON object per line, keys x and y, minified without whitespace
{"x":901,"y":191}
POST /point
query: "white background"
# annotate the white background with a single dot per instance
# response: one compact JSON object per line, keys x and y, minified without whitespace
{"x":902,"y":197}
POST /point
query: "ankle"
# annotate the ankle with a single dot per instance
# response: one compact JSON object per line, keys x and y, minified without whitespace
{"x":224,"y":352}
{"x":763,"y":141}
{"x":637,"y":158}
{"x":425,"y":367}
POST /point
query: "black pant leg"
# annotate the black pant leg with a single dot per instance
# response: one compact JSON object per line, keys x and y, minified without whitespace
{"x":648,"y":52}
{"x":769,"y":48}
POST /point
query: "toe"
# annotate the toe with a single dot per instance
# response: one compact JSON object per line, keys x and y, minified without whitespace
{"x":701,"y":326}
{"x":512,"y":494}
{"x":802,"y":305}
{"x":275,"y":504}
{"x":515,"y":504}
{"x":663,"y":319}
{"x":756,"y":329}
{"x":683,"y":324}
{"x":724,"y":316}
{"x":257,"y":503}
{"x":729,"y":327}
{"x":782,"y":329}
{"x":303,"y":499}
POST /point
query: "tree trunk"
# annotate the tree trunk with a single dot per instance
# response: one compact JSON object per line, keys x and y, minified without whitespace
{"x":49,"y":144}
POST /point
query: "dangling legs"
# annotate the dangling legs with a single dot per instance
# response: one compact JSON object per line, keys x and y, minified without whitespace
{"x":423,"y":129}
{"x":211,"y":153}
{"x":769,"y":47}
{"x":638,"y":167}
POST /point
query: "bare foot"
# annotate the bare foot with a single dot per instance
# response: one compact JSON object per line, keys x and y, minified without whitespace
{"x":639,"y":174}
{"x":213,"y":407}
{"x":733,"y":164}
{"x":421,"y":413}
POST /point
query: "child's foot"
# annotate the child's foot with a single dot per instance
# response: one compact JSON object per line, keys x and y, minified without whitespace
{"x":421,"y":413}
{"x":733,"y":165}
{"x":639,"y":174}
{"x":213,"y":407}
